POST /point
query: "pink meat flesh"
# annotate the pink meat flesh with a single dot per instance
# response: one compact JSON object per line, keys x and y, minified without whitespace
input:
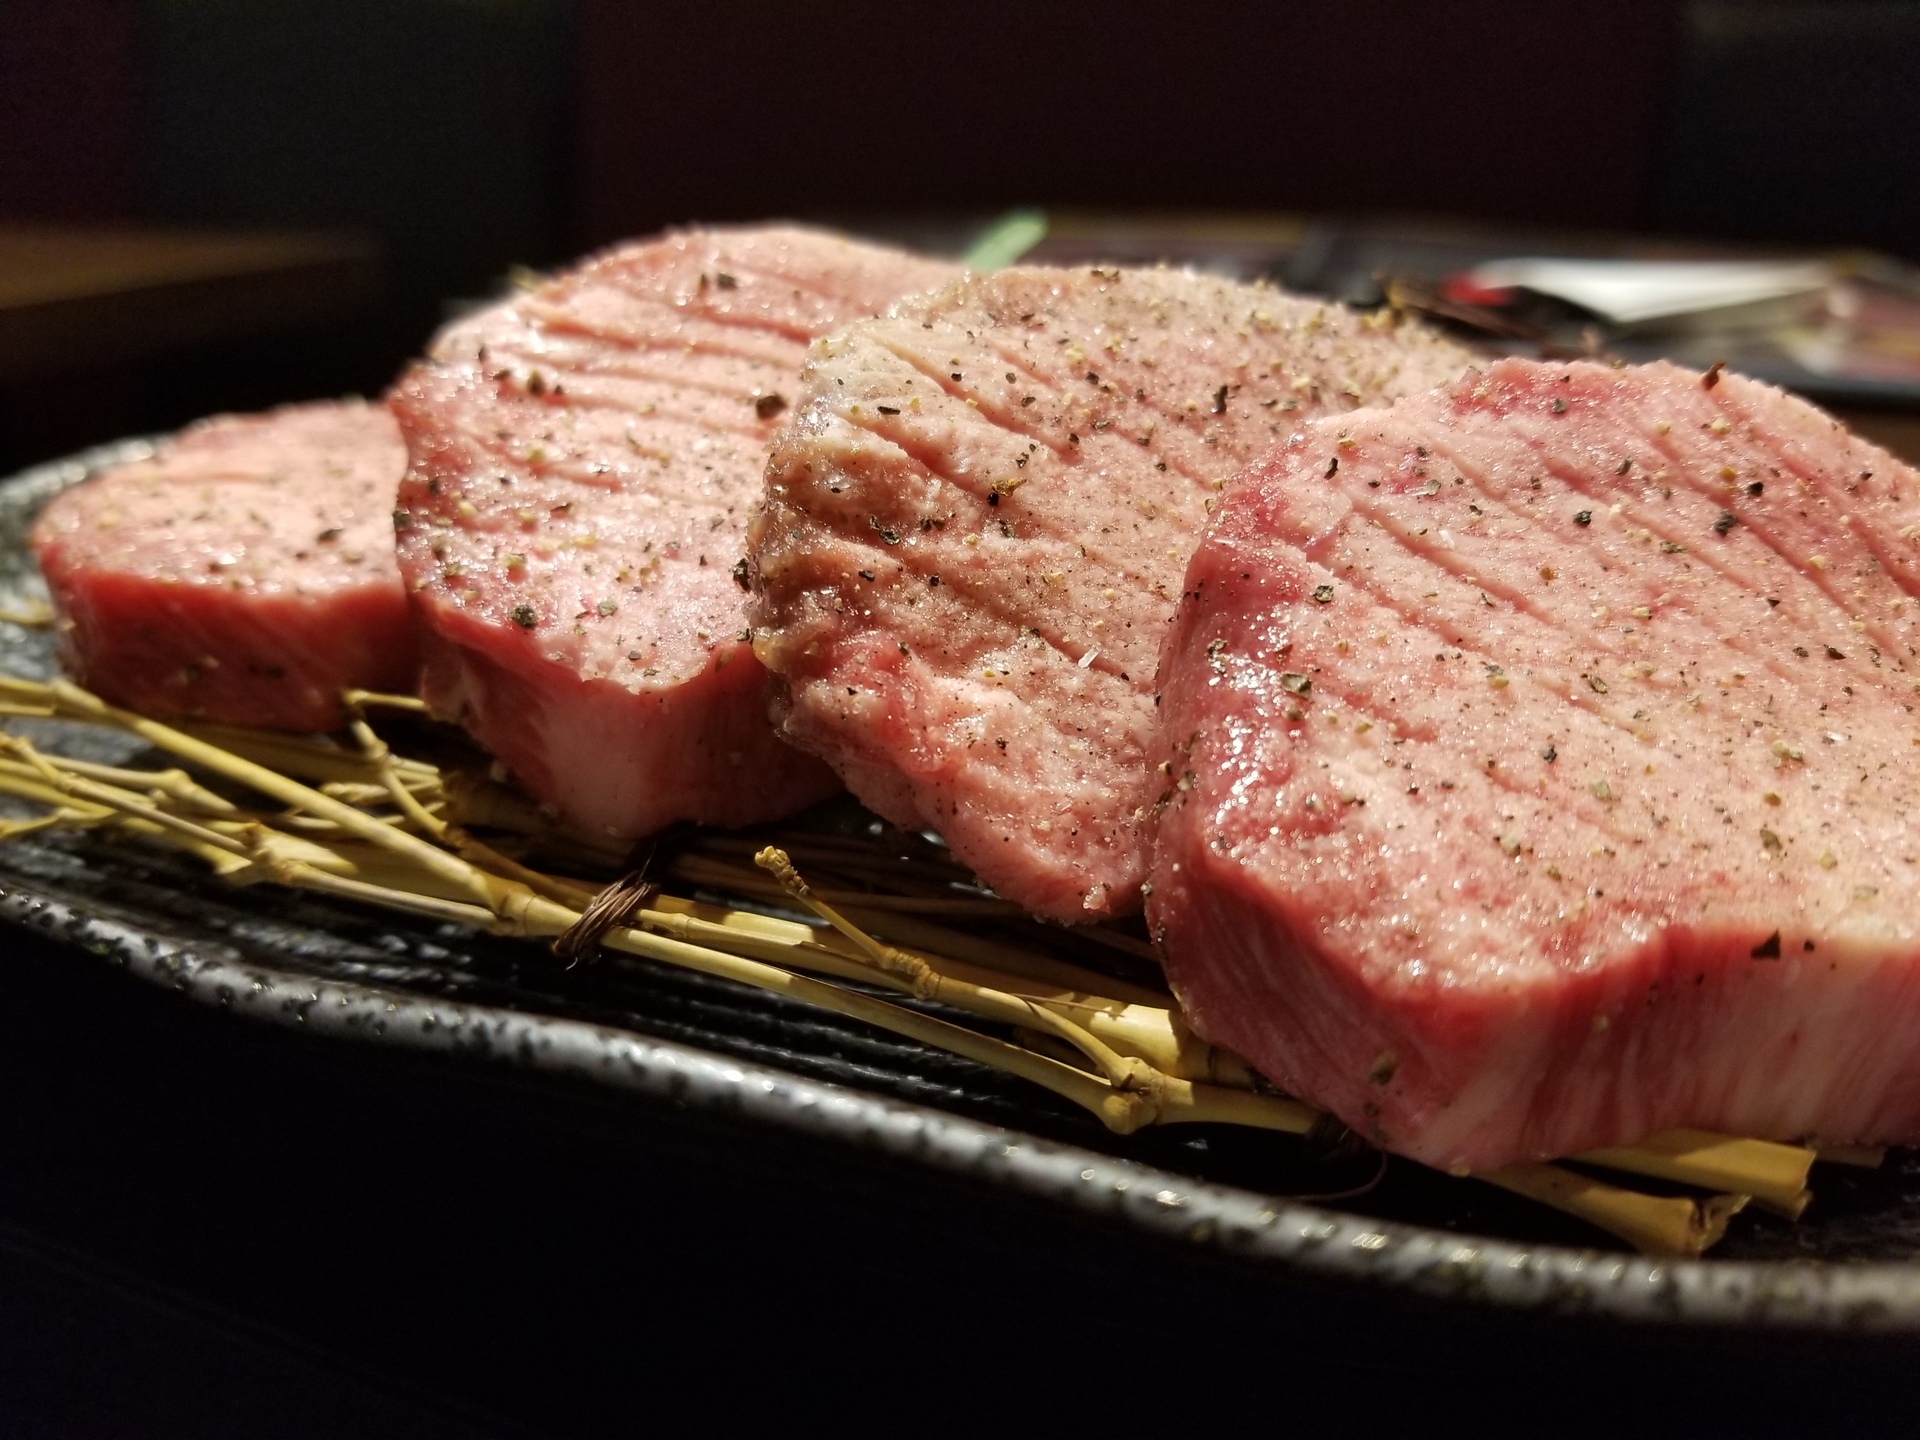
{"x":583,"y":459}
{"x":243,"y":574}
{"x":1545,"y":769}
{"x":975,"y":531}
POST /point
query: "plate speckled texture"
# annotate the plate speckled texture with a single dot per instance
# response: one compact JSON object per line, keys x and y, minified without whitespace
{"x":359,"y":975}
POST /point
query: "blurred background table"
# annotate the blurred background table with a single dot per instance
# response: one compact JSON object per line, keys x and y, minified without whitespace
{"x":1899,"y":432}
{"x":89,"y":299}
{"x":114,"y":330}
{"x":110,"y":331}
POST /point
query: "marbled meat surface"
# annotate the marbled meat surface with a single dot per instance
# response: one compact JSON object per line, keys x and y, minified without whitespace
{"x":244,"y":573}
{"x":975,"y":530}
{"x":1545,"y":769}
{"x":583,"y":461}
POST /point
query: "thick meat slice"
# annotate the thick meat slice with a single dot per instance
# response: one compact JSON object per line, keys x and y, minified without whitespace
{"x":244,"y":573}
{"x":975,"y":531}
{"x":583,"y":459}
{"x":1547,"y":772}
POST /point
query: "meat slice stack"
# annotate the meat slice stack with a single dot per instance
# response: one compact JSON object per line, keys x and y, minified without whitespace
{"x":583,"y":461}
{"x":975,"y":531}
{"x":244,"y":573}
{"x":1547,"y":769}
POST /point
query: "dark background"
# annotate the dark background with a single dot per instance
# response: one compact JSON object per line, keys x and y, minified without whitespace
{"x":204,"y":1230}
{"x":470,"y":135}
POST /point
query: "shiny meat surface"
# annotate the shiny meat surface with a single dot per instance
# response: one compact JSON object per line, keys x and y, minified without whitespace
{"x":975,"y":531}
{"x":1546,"y":770}
{"x":583,"y":461}
{"x":243,"y":574}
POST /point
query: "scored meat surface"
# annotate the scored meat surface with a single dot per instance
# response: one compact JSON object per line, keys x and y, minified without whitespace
{"x":974,"y":534}
{"x":1547,"y":769}
{"x":583,"y":459}
{"x":244,"y":573}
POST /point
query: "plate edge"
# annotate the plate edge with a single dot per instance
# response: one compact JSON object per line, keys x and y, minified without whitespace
{"x":1500,"y":1274}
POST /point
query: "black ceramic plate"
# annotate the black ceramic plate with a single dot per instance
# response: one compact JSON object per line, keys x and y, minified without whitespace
{"x":361,"y":976}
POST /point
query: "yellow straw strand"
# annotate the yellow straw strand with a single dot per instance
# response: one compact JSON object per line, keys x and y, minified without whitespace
{"x":1774,"y":1175}
{"x":1655,"y":1225}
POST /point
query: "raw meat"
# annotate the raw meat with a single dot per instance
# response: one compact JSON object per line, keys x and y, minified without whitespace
{"x":1545,"y":769}
{"x":583,"y":459}
{"x":975,"y":531}
{"x":244,"y":573}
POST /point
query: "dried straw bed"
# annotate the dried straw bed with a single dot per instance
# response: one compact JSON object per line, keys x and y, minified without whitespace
{"x":356,"y":821}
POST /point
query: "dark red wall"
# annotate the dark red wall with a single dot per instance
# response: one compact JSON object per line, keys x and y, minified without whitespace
{"x":732,"y":108}
{"x":69,"y":108}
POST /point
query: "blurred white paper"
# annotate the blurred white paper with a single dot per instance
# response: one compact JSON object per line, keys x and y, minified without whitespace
{"x":1629,"y":292}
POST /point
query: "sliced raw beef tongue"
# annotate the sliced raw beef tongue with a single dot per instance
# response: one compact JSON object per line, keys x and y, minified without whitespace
{"x":583,"y":460}
{"x":1545,"y":771}
{"x":975,"y":531}
{"x":244,"y":573}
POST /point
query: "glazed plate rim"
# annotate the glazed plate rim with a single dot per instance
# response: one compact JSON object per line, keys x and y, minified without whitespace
{"x":1438,"y":1264}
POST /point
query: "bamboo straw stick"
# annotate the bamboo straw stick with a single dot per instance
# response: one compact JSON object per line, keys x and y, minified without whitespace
{"x":78,"y":702}
{"x":303,"y":758}
{"x":54,"y":819}
{"x":26,"y":783}
{"x":1153,"y":1034}
{"x":361,"y":794}
{"x":701,"y":870}
{"x":124,"y":801}
{"x":66,"y":812}
{"x":381,"y":758}
{"x":1123,"y":1071}
{"x":1774,"y":1175}
{"x":994,"y":953}
{"x":473,"y":800}
{"x":929,"y":935}
{"x":308,"y":877}
{"x":362,"y":699}
{"x":1655,"y":1225}
{"x":1122,"y":1111}
{"x":176,"y":785}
